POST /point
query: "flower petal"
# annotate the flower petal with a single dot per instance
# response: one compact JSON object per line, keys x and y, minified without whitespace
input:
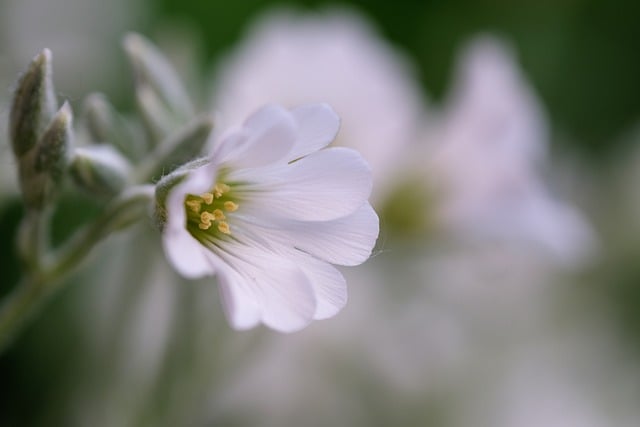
{"x":318,"y":126}
{"x":186,"y":254}
{"x":275,"y":284}
{"x":344,"y":241}
{"x":267,"y":136}
{"x":329,"y":286}
{"x":239,"y":307}
{"x":323,"y":186}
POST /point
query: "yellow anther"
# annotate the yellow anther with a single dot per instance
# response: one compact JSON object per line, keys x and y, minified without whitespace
{"x":220,"y":189}
{"x":218,"y":215}
{"x":230,"y":206}
{"x":194,"y":205}
{"x":223,"y":227}
{"x":208,"y":198}
{"x":204,"y":226}
{"x":206,"y":217}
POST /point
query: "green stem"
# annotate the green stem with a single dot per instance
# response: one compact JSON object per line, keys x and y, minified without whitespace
{"x":42,"y":282}
{"x":33,"y":238}
{"x":124,"y":211}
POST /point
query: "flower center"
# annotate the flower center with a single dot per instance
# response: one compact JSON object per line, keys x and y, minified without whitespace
{"x":207,"y":211}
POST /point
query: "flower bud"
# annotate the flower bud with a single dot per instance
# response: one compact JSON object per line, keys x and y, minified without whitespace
{"x":105,"y":125}
{"x":157,"y":119}
{"x":42,"y":168}
{"x":152,"y":69}
{"x":100,"y":170}
{"x":53,"y":147}
{"x":182,"y":146}
{"x":34,"y":103}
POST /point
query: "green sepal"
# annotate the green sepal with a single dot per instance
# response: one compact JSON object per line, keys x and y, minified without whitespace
{"x":167,"y":183}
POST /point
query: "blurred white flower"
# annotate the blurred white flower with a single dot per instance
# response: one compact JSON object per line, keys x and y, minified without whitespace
{"x":335,"y":57}
{"x":473,"y":336}
{"x":485,"y":166}
{"x":268,"y":215}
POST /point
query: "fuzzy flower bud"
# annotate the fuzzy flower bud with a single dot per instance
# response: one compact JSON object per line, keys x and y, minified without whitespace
{"x":154,"y":72}
{"x":181,"y":146}
{"x":42,"y":168}
{"x":100,"y":170}
{"x":105,"y":125}
{"x":34,"y":104}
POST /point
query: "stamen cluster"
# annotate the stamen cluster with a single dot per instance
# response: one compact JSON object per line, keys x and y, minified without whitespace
{"x":208,"y":209}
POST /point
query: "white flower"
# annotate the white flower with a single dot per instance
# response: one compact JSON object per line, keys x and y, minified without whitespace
{"x":268,"y":215}
{"x":493,"y":141}
{"x":335,"y":57}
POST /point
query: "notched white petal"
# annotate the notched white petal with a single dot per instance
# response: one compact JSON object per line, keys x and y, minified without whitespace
{"x":317,"y":125}
{"x":271,"y":134}
{"x":276,"y":285}
{"x":344,"y":241}
{"x":240,"y":308}
{"x":329,"y":286}
{"x":323,"y":186}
